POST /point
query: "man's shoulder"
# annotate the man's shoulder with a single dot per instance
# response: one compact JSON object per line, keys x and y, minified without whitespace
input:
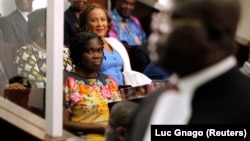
{"x":12,"y":18}
{"x":115,"y":16}
{"x":69,"y":16}
{"x":13,"y":15}
{"x":68,"y":11}
{"x":148,"y":102}
{"x":233,"y":82}
{"x":135,"y":19}
{"x":112,"y":12}
{"x":141,"y":118}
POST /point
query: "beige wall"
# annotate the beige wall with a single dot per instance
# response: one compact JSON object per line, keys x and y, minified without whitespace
{"x":243,"y":33}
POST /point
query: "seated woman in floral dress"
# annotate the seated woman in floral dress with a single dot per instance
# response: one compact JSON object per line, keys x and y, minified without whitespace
{"x":86,"y":90}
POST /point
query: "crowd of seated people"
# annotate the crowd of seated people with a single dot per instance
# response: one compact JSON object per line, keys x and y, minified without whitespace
{"x":119,"y":68}
{"x":116,"y":62}
{"x":103,"y":40}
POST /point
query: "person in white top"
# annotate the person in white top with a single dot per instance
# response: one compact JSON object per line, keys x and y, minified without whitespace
{"x":196,"y":40}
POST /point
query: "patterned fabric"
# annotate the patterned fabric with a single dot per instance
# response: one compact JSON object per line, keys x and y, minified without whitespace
{"x":67,"y":62}
{"x":140,"y":91}
{"x":31,"y":64}
{"x":88,"y":99}
{"x":129,"y":32}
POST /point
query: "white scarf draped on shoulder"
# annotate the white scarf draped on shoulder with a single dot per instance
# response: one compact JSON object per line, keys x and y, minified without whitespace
{"x":131,"y":77}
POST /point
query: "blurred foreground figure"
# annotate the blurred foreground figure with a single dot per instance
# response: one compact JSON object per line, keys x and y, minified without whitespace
{"x":120,"y":116}
{"x":195,"y":39}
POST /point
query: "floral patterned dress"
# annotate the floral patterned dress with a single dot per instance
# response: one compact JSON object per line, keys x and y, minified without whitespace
{"x":88,"y":98}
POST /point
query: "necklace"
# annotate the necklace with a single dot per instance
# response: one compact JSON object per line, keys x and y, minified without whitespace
{"x":37,"y":47}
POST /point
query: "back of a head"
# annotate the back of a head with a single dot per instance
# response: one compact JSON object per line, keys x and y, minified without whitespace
{"x":214,"y":17}
{"x":223,"y":15}
{"x":121,"y":113}
{"x":36,"y":19}
{"x":120,"y":116}
{"x":202,"y":34}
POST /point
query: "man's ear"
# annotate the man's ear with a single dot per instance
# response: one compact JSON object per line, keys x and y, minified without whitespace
{"x":121,"y":133}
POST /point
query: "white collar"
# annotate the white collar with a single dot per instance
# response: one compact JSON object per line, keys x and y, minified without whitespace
{"x":24,"y":14}
{"x":174,"y":107}
{"x":193,"y":81}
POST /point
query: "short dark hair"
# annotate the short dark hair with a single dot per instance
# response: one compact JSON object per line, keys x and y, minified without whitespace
{"x":79,"y":44}
{"x":121,"y":114}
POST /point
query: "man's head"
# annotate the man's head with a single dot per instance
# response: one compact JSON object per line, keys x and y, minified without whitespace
{"x":78,"y":5}
{"x":125,"y":7}
{"x":195,"y":34}
{"x":24,"y":5}
{"x":120,"y":117}
{"x":37,"y":24}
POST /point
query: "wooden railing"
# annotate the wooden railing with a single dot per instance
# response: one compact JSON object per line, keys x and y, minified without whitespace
{"x":25,"y":109}
{"x":25,"y":120}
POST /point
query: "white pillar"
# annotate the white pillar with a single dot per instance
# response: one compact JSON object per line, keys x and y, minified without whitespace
{"x":55,"y":9}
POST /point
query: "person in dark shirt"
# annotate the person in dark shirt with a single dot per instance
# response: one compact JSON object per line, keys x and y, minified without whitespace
{"x":155,"y":72}
{"x":71,"y":19}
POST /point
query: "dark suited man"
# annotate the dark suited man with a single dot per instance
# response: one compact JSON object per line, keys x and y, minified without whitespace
{"x":197,"y":42}
{"x":14,"y":26}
